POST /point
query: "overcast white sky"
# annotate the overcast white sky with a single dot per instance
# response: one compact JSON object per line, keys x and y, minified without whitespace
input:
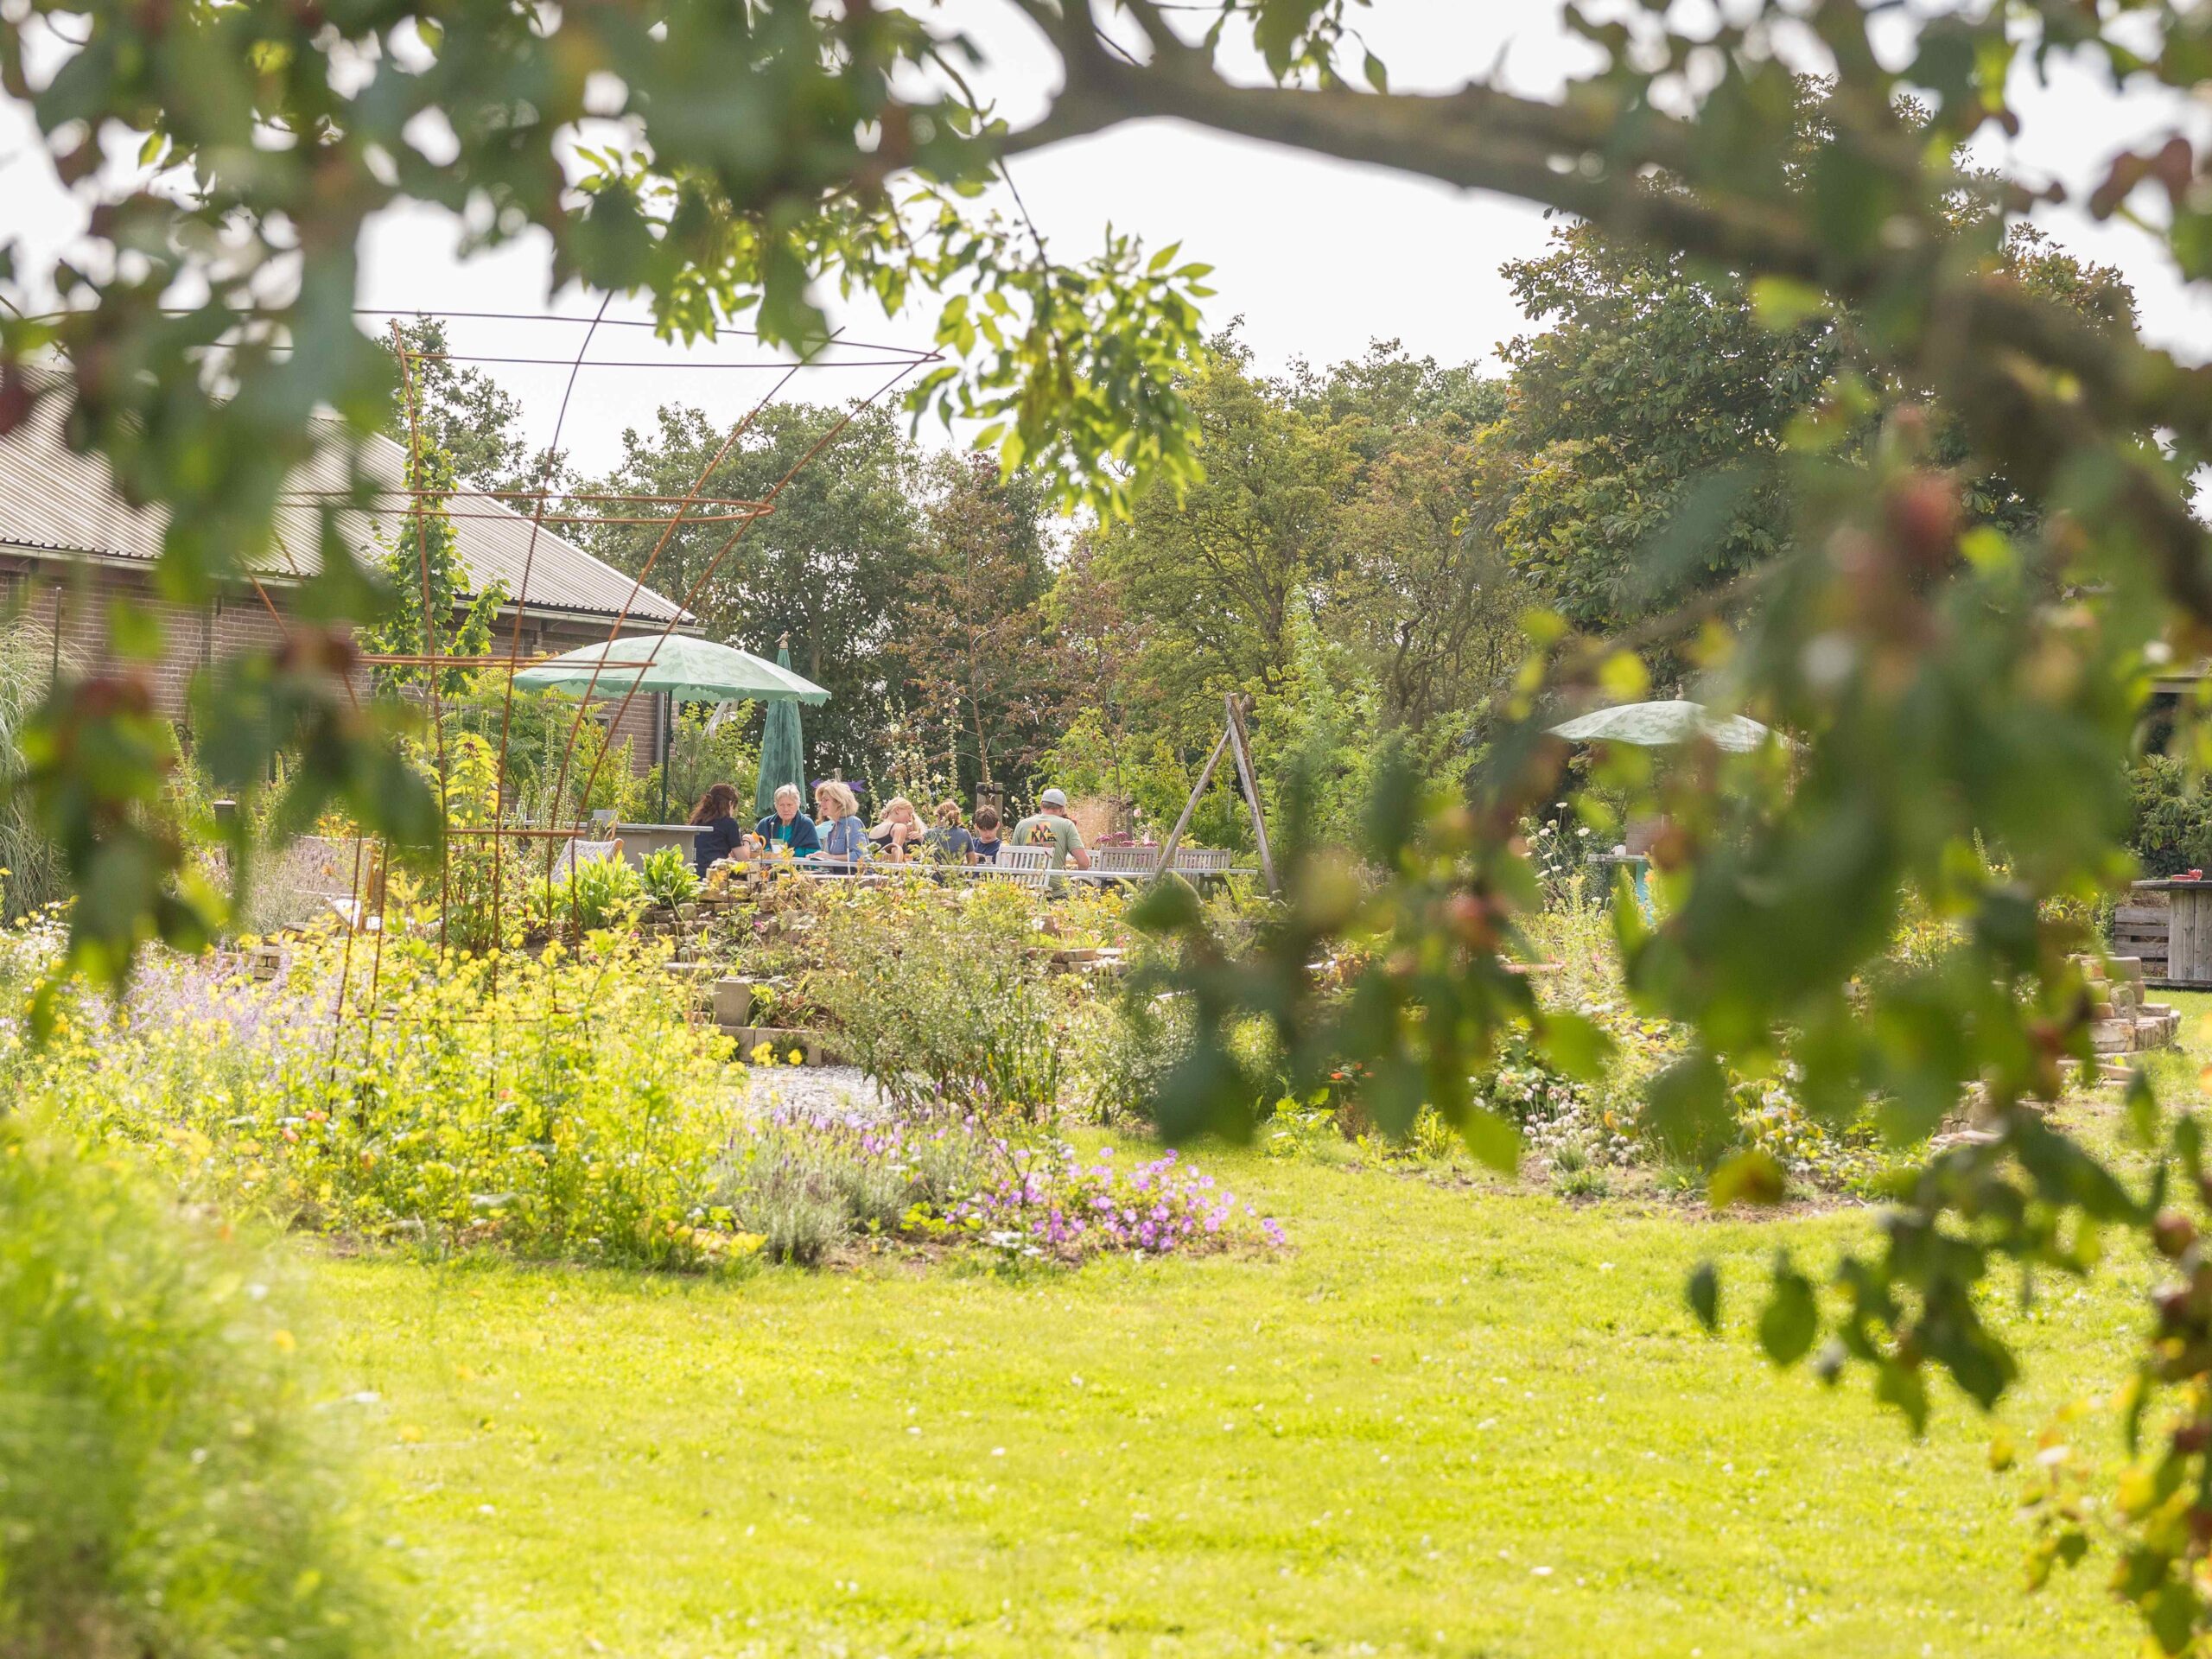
{"x":1318,"y":258}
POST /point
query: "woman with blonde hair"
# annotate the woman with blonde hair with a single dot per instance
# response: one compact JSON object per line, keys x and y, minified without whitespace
{"x":899,"y":835}
{"x":838,"y":824}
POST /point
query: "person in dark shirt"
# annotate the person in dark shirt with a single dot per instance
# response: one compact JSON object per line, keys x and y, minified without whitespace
{"x":788,"y":827}
{"x":720,"y":833}
{"x":949,"y":841}
{"x":986,"y":842}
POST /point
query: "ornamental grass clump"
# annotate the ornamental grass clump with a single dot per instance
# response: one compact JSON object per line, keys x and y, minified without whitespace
{"x":562,"y":1105}
{"x":808,"y":1183}
{"x":1069,"y":1207}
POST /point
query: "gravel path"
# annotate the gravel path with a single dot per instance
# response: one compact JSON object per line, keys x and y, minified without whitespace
{"x":827,"y":1089}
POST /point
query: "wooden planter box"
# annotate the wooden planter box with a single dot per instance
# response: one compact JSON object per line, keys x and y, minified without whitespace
{"x":2168,"y":924}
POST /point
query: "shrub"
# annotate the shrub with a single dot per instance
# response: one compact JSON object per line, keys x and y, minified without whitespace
{"x":942,"y":999}
{"x":558,"y":1107}
{"x":593,"y":895}
{"x":2170,"y":825}
{"x":1147,"y":1033}
{"x":1573,"y":1176}
{"x":1066,"y":1206}
{"x":702,"y":752}
{"x":1554,"y":1113}
{"x":164,"y":1489}
{"x":668,"y":878}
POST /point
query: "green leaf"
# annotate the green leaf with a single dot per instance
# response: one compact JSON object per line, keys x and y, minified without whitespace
{"x":2172,"y":1615}
{"x":1781,"y":303}
{"x":1750,"y":1176}
{"x":1687,"y":1112}
{"x":1792,"y":1318}
{"x":1899,"y":1385}
{"x":1704,"y":1294}
{"x":1169,"y":905}
{"x":1575,"y":1045}
{"x":1493,"y":1141}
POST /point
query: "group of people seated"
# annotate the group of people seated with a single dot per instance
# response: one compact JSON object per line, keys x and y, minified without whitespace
{"x":837,"y":837}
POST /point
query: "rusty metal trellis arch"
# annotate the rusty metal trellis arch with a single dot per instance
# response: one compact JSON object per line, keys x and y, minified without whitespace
{"x":420,"y":504}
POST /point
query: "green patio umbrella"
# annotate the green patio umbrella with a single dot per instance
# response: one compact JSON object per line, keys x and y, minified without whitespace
{"x":1659,"y":725}
{"x":783,"y":755}
{"x":684,"y":669}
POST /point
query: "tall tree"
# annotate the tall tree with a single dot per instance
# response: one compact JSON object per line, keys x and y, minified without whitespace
{"x":1655,"y":381}
{"x":1420,"y":591}
{"x":830,"y":565}
{"x":973,"y":631}
{"x":1649,"y":416}
{"x":1219,"y":571}
{"x":461,"y":409}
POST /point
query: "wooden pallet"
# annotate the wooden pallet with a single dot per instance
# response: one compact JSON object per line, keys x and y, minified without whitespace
{"x":2142,"y":930}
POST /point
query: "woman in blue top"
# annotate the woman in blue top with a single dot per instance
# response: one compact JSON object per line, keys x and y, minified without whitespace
{"x":787,"y":826}
{"x":838,"y":826}
{"x":720,"y":833}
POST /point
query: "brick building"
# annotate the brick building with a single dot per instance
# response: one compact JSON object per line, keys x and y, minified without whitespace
{"x":69,"y":545}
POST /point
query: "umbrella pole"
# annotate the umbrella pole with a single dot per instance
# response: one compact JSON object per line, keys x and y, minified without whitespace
{"x":667,"y":732}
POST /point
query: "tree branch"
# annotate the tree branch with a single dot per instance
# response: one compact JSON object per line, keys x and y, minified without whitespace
{"x":1590,"y":156}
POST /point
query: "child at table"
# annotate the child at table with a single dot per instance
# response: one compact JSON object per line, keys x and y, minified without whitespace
{"x":985,"y":842}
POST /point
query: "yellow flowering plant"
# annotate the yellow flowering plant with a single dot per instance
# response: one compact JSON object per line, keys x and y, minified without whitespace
{"x":563,"y":1104}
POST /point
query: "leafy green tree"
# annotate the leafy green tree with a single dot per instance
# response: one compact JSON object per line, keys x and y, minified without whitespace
{"x":1219,"y":571}
{"x":1385,"y":392}
{"x":1654,"y":384}
{"x":831,"y":565}
{"x":459,"y":409}
{"x":973,"y":629}
{"x":1420,"y":587}
{"x":1650,"y":415}
{"x":1958,"y":686}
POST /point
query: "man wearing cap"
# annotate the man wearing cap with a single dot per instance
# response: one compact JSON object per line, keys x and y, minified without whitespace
{"x":1050,"y":826}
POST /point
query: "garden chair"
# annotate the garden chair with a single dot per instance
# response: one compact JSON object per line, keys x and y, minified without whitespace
{"x":1028,"y":866}
{"x":574,"y":852}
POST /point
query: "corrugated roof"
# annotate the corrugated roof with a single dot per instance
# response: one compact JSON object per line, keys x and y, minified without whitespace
{"x":54,"y":500}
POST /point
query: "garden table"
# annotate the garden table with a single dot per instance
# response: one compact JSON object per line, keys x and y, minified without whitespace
{"x":641,"y":841}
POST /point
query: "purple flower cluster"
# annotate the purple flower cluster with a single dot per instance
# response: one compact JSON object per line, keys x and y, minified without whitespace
{"x":1071,"y":1208}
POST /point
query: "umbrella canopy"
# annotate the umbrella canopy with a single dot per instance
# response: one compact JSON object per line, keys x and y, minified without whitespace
{"x":1657,"y":725}
{"x":782,"y":755}
{"x":688,"y":670}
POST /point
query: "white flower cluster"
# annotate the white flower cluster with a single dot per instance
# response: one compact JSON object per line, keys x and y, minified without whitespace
{"x":1553,"y":1112}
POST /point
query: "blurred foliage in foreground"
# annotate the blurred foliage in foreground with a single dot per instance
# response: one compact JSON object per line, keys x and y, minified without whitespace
{"x":166,"y":1488}
{"x":1964,"y":690}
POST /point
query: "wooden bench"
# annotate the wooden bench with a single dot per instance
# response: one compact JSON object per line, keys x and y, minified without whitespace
{"x":1140,"y":863}
{"x":1028,"y":866}
{"x":1202,"y":861}
{"x":1124,"y":861}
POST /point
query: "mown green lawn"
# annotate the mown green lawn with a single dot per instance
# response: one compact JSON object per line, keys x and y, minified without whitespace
{"x":1450,"y":1421}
